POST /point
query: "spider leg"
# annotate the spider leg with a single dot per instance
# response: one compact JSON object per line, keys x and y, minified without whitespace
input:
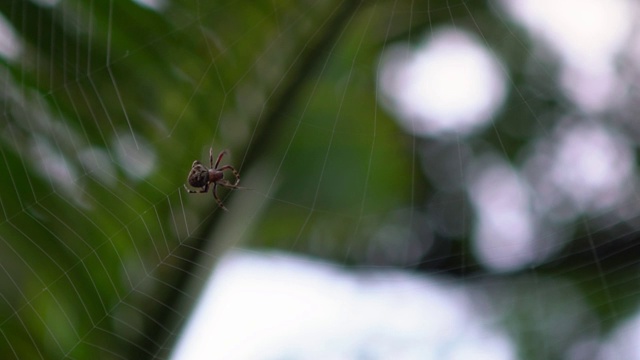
{"x":229,"y":185}
{"x":235,"y":173}
{"x":215,"y":195}
{"x":189,"y":190}
{"x":219,"y":158}
{"x":204,"y":189}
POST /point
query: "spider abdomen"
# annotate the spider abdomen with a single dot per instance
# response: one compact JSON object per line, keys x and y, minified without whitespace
{"x":215,"y":175}
{"x":198,"y":177}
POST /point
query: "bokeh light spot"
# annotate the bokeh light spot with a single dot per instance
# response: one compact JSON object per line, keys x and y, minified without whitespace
{"x":505,"y":227}
{"x":10,"y":45}
{"x":582,"y":167}
{"x":587,"y":36}
{"x":450,"y":84}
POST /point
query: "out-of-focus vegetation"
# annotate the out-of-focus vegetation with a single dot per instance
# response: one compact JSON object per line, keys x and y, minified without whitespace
{"x":105,"y":104}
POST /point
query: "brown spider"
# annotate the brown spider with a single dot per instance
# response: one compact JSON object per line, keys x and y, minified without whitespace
{"x":201,"y":177}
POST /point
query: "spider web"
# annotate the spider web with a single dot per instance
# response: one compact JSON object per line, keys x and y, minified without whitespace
{"x":457,"y":215}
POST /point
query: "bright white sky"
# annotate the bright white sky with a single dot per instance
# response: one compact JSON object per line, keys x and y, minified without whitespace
{"x":275,"y":306}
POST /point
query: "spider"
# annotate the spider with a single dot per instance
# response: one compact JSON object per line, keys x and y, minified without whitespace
{"x":201,"y":177}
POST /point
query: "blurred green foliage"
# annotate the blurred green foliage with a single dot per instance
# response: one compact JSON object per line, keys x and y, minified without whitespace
{"x":108,"y":104}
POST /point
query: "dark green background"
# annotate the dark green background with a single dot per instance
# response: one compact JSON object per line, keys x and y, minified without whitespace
{"x":108,"y":264}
